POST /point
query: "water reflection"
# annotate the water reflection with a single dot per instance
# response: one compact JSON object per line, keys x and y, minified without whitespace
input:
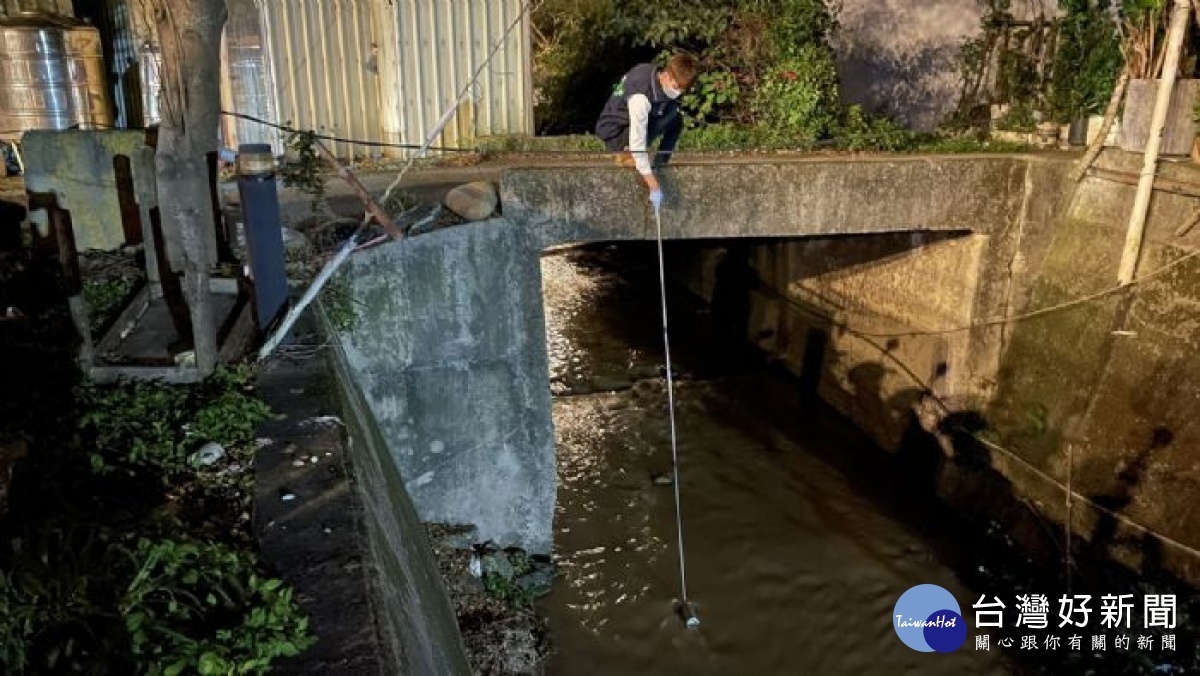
{"x":792,"y":571}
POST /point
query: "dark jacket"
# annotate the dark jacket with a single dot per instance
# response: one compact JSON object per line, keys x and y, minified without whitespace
{"x":665,"y":118}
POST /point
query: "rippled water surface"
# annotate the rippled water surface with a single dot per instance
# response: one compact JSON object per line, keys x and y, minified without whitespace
{"x":794,"y":564}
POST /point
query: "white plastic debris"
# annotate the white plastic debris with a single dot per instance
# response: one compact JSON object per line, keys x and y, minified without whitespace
{"x":323,"y":420}
{"x":286,"y":497}
{"x":476,"y":566}
{"x":208,"y":454}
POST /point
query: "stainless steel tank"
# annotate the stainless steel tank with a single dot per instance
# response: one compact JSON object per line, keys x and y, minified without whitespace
{"x":36,"y":8}
{"x":86,"y":57}
{"x":150,"y":65}
{"x":35,"y":79}
{"x":51,"y":78}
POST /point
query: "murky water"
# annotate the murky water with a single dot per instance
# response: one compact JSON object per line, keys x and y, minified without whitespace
{"x":795,"y":560}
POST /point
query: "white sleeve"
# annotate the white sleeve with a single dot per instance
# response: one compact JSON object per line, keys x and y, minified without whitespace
{"x":639,"y":119}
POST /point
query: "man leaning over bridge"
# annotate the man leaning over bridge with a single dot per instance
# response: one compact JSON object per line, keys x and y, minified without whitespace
{"x":643,"y":107}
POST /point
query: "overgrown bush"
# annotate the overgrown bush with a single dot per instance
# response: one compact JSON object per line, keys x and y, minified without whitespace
{"x":92,"y":600}
{"x":798,"y":98}
{"x":859,"y":131}
{"x":1087,"y":62}
{"x":152,"y":428}
{"x":584,"y":46}
{"x":121,"y":556}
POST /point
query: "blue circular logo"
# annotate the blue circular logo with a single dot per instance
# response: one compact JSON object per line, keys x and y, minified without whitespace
{"x":928,"y":619}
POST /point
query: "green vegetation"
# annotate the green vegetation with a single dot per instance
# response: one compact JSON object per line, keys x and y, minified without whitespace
{"x":304,"y":168}
{"x":127,"y":553}
{"x":763,"y":61}
{"x":1087,"y":62}
{"x":768,"y":79}
{"x":339,"y":305}
{"x":104,"y":299}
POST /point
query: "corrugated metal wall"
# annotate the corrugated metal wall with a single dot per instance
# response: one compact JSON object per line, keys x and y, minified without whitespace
{"x":319,"y":56}
{"x":441,"y":43}
{"x":384,"y":70}
{"x":128,"y":36}
{"x":246,"y":78}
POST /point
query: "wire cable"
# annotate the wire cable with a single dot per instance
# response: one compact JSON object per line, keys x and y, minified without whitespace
{"x":688,"y":612}
{"x":1040,"y":311}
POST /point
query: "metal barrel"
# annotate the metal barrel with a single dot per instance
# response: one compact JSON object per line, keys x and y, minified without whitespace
{"x":52,"y":78}
{"x":35,"y":79}
{"x":150,"y":70}
{"x":20,"y":9}
{"x":86,"y":59}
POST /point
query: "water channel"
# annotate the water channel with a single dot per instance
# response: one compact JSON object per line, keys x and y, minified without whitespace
{"x":799,"y":540}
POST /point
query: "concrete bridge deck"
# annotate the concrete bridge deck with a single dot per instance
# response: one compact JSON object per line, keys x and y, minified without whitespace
{"x":769,"y":197}
{"x":451,"y":329}
{"x":588,"y":198}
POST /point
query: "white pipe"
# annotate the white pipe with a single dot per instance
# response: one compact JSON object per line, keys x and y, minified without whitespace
{"x":1141,"y":201}
{"x":342,"y":256}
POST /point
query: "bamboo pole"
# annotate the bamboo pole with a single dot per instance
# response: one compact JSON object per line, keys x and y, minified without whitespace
{"x":1110,"y":114}
{"x":1141,"y":202}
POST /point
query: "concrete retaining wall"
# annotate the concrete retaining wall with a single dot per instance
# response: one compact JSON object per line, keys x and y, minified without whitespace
{"x":1102,"y":395}
{"x":419,"y":628}
{"x":449,"y":350}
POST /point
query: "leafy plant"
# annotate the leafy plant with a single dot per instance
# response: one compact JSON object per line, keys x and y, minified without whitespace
{"x":146,"y":427}
{"x":1087,"y":61}
{"x":305,"y":168}
{"x":858,"y":131}
{"x":799,"y":97}
{"x":339,"y":304}
{"x":507,"y":591}
{"x":104,"y":299}
{"x":583,"y":47}
{"x":712,"y":93}
{"x":135,"y":424}
{"x":229,"y":419}
{"x":202,"y":605}
{"x":1145,"y":27}
{"x":86,"y":599}
{"x":800,"y":23}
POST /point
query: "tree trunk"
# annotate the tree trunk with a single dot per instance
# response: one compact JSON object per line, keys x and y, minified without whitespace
{"x":190,"y":35}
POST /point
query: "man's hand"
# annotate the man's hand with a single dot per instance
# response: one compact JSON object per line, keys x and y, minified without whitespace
{"x":656,"y":195}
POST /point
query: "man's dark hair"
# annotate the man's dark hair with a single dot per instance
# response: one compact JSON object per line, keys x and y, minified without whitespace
{"x":683,"y":69}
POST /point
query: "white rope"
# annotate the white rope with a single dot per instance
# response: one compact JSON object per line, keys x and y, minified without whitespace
{"x":692,"y":620}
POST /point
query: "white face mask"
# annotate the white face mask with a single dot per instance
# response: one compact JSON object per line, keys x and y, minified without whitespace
{"x":671,"y":93}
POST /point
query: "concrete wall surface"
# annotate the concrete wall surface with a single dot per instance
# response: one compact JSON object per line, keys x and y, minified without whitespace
{"x":754,"y":197}
{"x":449,"y":349}
{"x":900,"y":57}
{"x":78,"y":167}
{"x":419,"y":628}
{"x":1096,"y":393}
